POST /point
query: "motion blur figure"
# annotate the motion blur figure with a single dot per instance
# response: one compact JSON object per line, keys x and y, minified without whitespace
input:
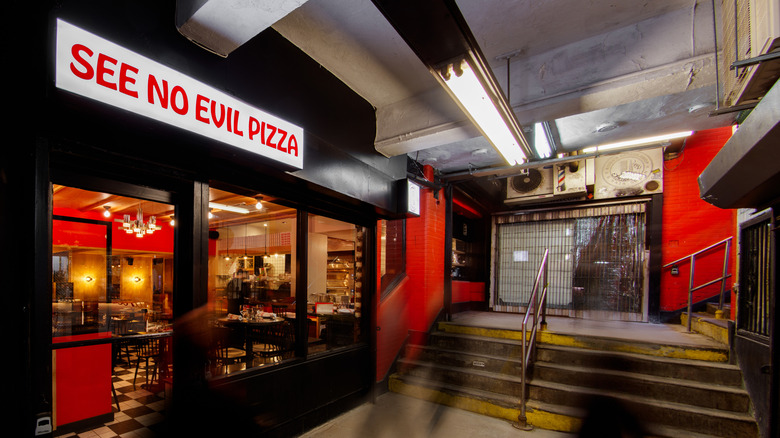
{"x":608,"y":418}
{"x":200,"y":409}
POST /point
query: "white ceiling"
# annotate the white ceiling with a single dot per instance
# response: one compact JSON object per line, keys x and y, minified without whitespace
{"x":646,"y":66}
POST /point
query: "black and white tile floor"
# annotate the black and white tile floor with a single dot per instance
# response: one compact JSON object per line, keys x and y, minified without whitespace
{"x":141,"y":412}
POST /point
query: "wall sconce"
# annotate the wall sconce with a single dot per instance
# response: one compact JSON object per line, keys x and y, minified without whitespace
{"x":136,"y":279}
{"x":88,"y":279}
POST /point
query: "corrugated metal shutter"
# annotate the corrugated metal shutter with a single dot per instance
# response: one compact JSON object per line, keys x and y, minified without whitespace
{"x":596,"y":263}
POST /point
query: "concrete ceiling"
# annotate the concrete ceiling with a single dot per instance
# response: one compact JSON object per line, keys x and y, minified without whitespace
{"x":646,"y":68}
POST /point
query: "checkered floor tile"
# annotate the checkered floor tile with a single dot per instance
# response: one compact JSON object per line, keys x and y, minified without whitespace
{"x":141,"y":411}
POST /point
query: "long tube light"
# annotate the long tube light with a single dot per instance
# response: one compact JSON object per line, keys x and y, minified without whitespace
{"x":637,"y":142}
{"x":228,"y":208}
{"x":485,"y":108}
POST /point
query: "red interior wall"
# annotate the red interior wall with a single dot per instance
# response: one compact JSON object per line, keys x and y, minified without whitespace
{"x":691,"y":224}
{"x":415,"y":303}
{"x":70,"y":233}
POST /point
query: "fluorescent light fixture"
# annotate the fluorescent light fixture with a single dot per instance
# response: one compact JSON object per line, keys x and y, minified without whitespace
{"x":637,"y":142}
{"x":228,"y":208}
{"x":493,"y":119}
{"x":541,"y":143}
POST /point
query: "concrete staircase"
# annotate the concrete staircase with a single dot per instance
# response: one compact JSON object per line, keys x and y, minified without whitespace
{"x":675,"y":391}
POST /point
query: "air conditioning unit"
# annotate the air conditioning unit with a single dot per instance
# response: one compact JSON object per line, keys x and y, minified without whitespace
{"x":764,"y":26}
{"x":570,"y":179}
{"x":629,"y":174}
{"x":764,"y":37}
{"x":532,"y":186}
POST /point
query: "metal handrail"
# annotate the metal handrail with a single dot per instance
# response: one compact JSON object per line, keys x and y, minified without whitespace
{"x":539,"y":304}
{"x":722,"y":279}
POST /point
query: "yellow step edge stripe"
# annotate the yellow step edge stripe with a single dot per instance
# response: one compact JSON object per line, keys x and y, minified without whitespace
{"x":537,"y":418}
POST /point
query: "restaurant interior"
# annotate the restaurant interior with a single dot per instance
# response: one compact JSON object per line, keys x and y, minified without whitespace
{"x":113,"y":286}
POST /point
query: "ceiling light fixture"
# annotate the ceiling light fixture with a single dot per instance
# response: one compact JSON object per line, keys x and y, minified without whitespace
{"x":637,"y":142}
{"x":541,"y":142}
{"x":473,"y":87}
{"x":138,"y":226}
{"x":106,"y":211}
{"x":228,"y":208}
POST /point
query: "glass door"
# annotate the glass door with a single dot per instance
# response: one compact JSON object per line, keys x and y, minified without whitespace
{"x":112,"y":286}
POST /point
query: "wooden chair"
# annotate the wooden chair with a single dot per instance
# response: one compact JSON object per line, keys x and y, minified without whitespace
{"x":226,"y":349}
{"x":147,"y":349}
{"x":273,"y":343}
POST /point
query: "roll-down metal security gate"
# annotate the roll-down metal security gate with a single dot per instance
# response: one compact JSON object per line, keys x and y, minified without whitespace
{"x":597,"y":261}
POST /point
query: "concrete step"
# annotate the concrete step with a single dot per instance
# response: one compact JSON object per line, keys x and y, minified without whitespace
{"x":472,"y":343}
{"x":464,"y":359}
{"x":498,"y":383}
{"x":470,"y":399}
{"x":674,"y":415}
{"x":714,"y":353}
{"x":695,"y":370}
{"x":539,"y":414}
{"x":708,"y":325}
{"x":727,"y":398}
{"x":546,"y":416}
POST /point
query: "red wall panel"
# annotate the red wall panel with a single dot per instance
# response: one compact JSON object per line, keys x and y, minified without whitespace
{"x":691,"y":224}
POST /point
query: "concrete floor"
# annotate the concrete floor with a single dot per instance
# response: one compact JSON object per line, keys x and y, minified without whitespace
{"x":395,"y":415}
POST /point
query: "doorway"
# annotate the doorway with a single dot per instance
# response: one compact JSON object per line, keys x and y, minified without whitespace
{"x":111,"y":297}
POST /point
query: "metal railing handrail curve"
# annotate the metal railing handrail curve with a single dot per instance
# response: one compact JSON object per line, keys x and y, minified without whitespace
{"x":691,"y":258}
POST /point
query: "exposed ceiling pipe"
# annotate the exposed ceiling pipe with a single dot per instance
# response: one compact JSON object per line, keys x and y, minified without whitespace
{"x":508,"y":171}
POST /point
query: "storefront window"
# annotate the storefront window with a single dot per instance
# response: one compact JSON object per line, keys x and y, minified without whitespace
{"x":335,"y":272}
{"x":392,"y":257}
{"x":251,"y":281}
{"x":112,"y":263}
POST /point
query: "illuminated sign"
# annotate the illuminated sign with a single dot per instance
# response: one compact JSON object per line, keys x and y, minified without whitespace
{"x":413,"y":198}
{"x":98,"y":69}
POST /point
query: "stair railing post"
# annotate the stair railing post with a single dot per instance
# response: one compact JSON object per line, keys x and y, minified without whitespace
{"x":723,"y":278}
{"x":522,"y":419}
{"x":690,"y":293}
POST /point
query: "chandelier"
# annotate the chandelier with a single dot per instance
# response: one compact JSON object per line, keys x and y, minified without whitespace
{"x":138,"y":226}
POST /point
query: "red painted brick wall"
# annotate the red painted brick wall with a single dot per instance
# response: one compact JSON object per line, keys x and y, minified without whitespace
{"x":415,"y":303}
{"x":690,"y":224}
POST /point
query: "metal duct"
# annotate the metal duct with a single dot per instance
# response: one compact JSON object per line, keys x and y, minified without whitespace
{"x":746,"y":171}
{"x":222,"y":26}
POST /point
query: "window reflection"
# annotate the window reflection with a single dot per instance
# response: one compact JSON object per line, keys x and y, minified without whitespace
{"x":251,"y":282}
{"x":105,"y":279}
{"x":335,"y":283}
